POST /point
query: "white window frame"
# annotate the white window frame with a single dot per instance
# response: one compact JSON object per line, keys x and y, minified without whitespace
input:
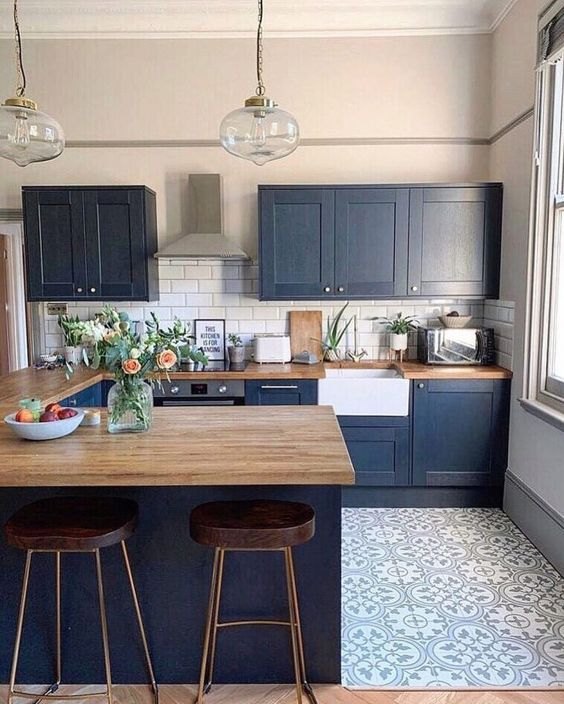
{"x":543,"y":392}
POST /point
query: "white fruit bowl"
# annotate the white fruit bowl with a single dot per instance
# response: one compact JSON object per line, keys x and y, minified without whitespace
{"x":44,"y":431}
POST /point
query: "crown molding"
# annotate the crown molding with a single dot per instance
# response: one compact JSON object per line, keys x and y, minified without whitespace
{"x":236,"y":18}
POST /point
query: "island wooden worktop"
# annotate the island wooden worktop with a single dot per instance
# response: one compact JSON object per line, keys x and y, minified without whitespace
{"x":189,"y":447}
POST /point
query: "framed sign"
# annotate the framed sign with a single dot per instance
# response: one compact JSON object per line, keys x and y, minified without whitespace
{"x":210,"y":337}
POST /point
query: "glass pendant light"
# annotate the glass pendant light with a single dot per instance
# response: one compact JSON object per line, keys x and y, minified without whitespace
{"x":26,"y":134}
{"x":260,"y":131}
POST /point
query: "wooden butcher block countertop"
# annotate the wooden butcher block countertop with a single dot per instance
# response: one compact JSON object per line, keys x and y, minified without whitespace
{"x":203,"y":446}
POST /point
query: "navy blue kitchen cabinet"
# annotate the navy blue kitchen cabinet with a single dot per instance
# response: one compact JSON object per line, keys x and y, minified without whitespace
{"x":281,"y":392}
{"x":455,"y":241}
{"x":297,"y":242}
{"x":90,"y":243}
{"x":460,"y":432}
{"x":91,"y":397}
{"x":379,"y":449}
{"x":353,"y":242}
{"x":371,"y":231}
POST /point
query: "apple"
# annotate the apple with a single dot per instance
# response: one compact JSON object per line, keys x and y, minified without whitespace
{"x":53,"y":407}
{"x":24,"y":415}
{"x":48,"y":417}
{"x":65,"y":413}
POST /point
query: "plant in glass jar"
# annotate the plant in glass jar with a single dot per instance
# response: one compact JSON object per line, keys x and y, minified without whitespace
{"x":135,"y":362}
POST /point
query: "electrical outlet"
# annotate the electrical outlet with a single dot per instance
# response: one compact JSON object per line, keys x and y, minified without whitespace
{"x":57,"y":309}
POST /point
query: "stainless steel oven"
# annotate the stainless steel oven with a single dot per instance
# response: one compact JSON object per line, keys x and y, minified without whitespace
{"x":196,"y":392}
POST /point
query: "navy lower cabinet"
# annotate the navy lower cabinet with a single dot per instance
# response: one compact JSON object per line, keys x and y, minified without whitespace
{"x":460,"y":433}
{"x":90,"y":397}
{"x":281,"y":392}
{"x":378,"y":448}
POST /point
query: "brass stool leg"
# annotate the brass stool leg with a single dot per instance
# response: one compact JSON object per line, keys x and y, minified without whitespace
{"x":293,"y":629}
{"x":59,"y":671}
{"x":140,"y":622}
{"x":307,"y":687}
{"x":104,"y":625}
{"x":211,"y":620}
{"x":215,"y":619}
{"x":19,"y":628}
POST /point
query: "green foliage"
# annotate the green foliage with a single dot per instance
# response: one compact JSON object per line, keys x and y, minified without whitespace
{"x":235,"y":340}
{"x":72,"y":328}
{"x":335,"y":332}
{"x":400,"y":325}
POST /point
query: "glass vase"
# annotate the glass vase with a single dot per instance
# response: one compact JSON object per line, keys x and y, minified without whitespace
{"x":130,"y":406}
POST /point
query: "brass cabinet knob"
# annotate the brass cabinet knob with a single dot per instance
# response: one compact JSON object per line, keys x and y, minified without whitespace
{"x":414,"y":288}
{"x":79,"y":290}
{"x":421,"y":386}
{"x":92,"y":290}
{"x":327,"y":289}
{"x":341,"y":289}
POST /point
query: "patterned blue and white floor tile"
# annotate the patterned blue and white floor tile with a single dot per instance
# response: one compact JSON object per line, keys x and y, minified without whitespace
{"x":447,"y":598}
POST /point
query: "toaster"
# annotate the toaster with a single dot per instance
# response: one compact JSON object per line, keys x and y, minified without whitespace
{"x":272,"y":348}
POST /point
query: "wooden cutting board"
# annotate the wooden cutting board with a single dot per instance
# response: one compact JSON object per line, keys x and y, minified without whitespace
{"x":305,"y":328}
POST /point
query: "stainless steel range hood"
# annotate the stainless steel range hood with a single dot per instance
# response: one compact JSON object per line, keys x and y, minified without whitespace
{"x":205,"y":238}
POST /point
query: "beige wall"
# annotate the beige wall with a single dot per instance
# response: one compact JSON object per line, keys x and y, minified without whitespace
{"x":536,"y":448}
{"x":406,"y":87}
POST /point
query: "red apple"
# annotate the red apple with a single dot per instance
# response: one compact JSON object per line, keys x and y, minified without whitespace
{"x":53,"y":407}
{"x":66,"y":413}
{"x":48,"y":417}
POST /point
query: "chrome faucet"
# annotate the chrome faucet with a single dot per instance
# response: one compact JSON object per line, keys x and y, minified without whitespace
{"x":356,"y":356}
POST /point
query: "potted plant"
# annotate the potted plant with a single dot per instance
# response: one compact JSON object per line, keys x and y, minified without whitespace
{"x":235,"y":349}
{"x":399,"y":328}
{"x":133,"y":361}
{"x":334,"y":336}
{"x":73,"y":330}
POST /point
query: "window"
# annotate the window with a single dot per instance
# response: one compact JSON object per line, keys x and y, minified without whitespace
{"x":544,"y":375}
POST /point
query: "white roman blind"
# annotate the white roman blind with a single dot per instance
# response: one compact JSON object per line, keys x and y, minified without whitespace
{"x":551,"y":31}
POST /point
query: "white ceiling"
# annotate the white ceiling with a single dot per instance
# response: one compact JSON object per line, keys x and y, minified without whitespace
{"x":236,"y":18}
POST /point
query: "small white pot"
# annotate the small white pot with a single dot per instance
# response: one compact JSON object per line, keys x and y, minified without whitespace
{"x":73,"y":355}
{"x":398,"y":342}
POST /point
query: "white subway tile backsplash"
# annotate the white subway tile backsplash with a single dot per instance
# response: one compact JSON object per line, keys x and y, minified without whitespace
{"x":206,"y":289}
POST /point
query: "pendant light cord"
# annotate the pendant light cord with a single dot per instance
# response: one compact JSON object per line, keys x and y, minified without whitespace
{"x":260,"y":85}
{"x":21,"y":81}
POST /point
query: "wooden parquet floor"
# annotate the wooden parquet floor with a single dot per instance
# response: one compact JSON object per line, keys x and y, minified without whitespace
{"x":326,"y":694}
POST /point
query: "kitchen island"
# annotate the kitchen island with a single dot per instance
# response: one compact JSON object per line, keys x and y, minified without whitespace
{"x":189,"y":456}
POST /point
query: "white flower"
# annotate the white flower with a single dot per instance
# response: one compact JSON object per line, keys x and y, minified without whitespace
{"x":135,"y":353}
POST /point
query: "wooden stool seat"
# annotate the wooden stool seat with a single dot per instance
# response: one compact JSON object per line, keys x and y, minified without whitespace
{"x":252,"y":525}
{"x":72,"y":523}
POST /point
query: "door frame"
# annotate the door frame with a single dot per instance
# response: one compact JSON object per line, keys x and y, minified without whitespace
{"x":18,"y":349}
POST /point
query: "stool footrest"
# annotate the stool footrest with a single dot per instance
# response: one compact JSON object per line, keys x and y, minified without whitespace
{"x":39,"y":697}
{"x":254,"y":622}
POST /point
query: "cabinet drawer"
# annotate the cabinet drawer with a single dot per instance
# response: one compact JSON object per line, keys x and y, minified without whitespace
{"x":281,"y":392}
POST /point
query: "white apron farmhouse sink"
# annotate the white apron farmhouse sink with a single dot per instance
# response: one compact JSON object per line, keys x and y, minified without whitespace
{"x":364,"y":392}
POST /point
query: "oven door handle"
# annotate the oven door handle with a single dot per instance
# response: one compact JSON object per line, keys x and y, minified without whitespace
{"x":188,"y":402}
{"x":279,"y":386}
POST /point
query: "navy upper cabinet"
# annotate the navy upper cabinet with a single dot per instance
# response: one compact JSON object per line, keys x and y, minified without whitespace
{"x":379,"y":242}
{"x":460,"y":432}
{"x":371,"y":230}
{"x":55,"y":243}
{"x":93,"y":243}
{"x":455,"y":241}
{"x":297,"y":242}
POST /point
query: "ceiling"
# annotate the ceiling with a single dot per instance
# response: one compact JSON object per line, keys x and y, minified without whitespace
{"x":237,"y":18}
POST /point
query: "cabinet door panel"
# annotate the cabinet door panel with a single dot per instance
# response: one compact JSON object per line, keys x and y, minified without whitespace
{"x":297,"y":242}
{"x":380,"y":456}
{"x":54,"y":243}
{"x":454,"y":241}
{"x":371,"y":230}
{"x":459,"y":433}
{"x":281,"y":393}
{"x":116,"y":253}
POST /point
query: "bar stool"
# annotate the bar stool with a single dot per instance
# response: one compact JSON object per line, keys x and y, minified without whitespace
{"x":59,"y":525}
{"x":231,"y":526}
